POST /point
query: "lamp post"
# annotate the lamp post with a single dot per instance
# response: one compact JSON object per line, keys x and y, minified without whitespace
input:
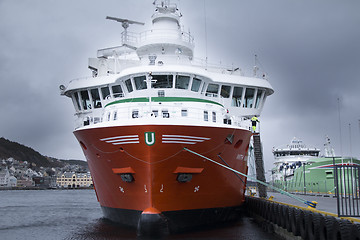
{"x":304,"y":178}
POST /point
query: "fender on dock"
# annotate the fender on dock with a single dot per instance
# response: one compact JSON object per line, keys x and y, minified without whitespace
{"x":300,"y":221}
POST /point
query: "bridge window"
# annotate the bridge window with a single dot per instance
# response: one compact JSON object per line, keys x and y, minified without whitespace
{"x":117,"y":91}
{"x":182,"y":82}
{"x":225,"y":91}
{"x":95,"y":97}
{"x":258,"y":98}
{"x":140,"y":82}
{"x":203,"y":88}
{"x":249,"y":97}
{"x":162,"y":81}
{"x":105,"y":91}
{"x":129,"y":85}
{"x":77,"y":100}
{"x":214,"y":116}
{"x":195,"y":85}
{"x":237,"y":96}
{"x":85,"y":100}
{"x":212,"y":90}
{"x":115,"y":115}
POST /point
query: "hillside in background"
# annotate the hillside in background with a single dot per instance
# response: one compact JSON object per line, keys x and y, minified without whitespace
{"x":9,"y":149}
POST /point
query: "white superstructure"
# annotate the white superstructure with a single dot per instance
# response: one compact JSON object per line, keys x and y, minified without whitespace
{"x":153,"y":74}
{"x":290,"y":157}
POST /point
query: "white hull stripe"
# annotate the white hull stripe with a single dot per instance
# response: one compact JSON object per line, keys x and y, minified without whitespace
{"x":183,"y":139}
{"x":119,"y":137}
{"x":129,"y":139}
{"x":183,"y":142}
{"x":133,"y":139}
{"x":183,"y":136}
{"x":125,"y":142}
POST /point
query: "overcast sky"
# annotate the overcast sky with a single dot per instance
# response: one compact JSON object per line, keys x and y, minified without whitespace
{"x":310,"y":50}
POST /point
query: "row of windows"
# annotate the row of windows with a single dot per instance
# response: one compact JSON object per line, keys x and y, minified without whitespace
{"x":164,"y":114}
{"x":82,"y":98}
{"x":296,"y":153}
{"x":163,"y":81}
{"x":74,"y":176}
{"x":70,"y":180}
{"x":240,"y":96}
{"x":206,"y":116}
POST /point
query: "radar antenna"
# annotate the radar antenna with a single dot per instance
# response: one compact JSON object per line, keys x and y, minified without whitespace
{"x":125,"y":23}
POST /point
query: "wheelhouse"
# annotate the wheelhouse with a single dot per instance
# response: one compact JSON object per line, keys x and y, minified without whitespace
{"x":238,"y":96}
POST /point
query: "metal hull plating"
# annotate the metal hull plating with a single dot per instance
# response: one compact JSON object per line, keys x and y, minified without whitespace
{"x":154,"y":156}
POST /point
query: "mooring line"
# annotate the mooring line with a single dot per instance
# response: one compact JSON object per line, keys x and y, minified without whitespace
{"x":229,"y":166}
{"x":310,"y":204}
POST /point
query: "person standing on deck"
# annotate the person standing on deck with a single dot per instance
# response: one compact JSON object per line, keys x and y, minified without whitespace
{"x":254,"y":121}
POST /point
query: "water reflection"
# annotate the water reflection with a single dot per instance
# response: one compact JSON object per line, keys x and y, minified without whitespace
{"x":103,"y":229}
{"x":243,"y":228}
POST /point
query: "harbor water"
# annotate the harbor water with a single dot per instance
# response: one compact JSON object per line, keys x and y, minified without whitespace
{"x":76,"y":214}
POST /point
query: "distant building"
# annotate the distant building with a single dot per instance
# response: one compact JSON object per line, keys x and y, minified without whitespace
{"x":12,"y":181}
{"x":51,"y":181}
{"x":74,"y":180}
{"x":38,"y":181}
{"x":12,"y":170}
{"x":4,"y":177}
{"x":24,"y":182}
{"x":45,"y":182}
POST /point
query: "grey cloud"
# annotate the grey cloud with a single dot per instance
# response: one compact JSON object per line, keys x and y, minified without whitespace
{"x":310,"y":49}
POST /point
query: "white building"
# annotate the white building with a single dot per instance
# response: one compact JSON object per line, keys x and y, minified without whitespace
{"x":74,"y":180}
{"x":12,"y":181}
{"x":4,"y":177}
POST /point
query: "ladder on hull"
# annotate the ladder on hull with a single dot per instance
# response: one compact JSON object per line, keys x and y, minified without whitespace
{"x":259,"y":165}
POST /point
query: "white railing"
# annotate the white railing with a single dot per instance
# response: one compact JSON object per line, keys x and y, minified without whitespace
{"x":173,"y":112}
{"x":161,"y":34}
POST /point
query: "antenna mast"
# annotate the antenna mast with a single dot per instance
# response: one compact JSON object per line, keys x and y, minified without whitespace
{"x":125,"y":23}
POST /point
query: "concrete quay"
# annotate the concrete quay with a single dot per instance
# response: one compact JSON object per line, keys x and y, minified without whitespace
{"x":291,"y":219}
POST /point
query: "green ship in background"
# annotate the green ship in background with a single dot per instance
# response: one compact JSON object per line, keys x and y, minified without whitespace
{"x":299,"y":168}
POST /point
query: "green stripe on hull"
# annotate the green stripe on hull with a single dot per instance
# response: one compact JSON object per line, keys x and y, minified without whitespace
{"x":129,"y":100}
{"x":164,"y":99}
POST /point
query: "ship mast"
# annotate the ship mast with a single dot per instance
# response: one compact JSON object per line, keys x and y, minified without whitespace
{"x":125,"y":23}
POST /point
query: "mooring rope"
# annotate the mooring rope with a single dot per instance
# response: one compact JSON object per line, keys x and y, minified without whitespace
{"x":234,"y":172}
{"x":310,"y":204}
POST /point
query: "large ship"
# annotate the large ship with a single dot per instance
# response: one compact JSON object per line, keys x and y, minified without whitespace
{"x":301,"y":168}
{"x":290,"y":157}
{"x":148,"y":107}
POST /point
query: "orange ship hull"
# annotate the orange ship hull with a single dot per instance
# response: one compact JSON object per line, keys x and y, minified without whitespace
{"x":144,"y":178}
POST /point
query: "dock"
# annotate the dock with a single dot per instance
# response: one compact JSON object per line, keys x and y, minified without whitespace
{"x":289,"y":219}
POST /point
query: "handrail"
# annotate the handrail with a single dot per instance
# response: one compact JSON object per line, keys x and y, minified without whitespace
{"x":146,"y":111}
{"x":136,"y":38}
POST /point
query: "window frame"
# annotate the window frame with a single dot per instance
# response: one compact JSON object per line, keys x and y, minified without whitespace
{"x":182,"y":76}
